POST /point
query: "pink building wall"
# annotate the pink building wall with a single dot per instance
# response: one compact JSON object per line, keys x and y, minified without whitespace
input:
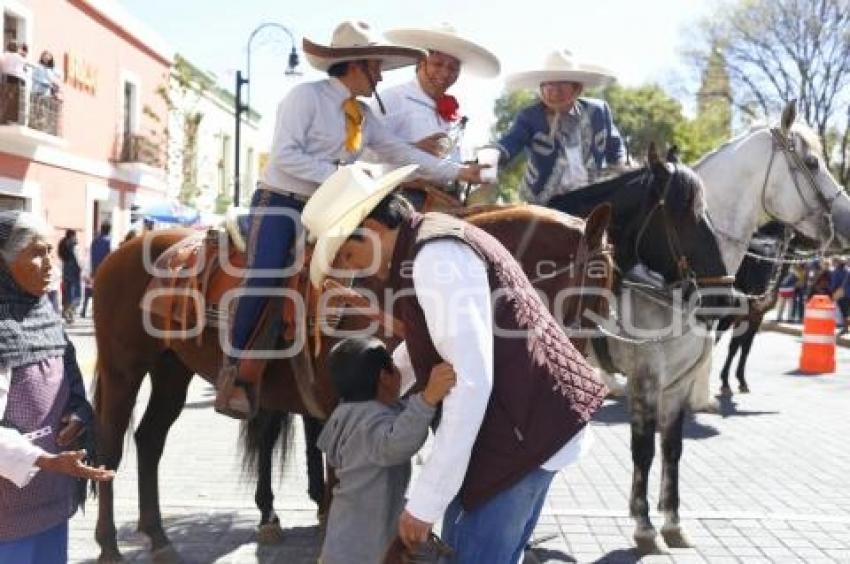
{"x":93,"y":123}
{"x":81,"y":167}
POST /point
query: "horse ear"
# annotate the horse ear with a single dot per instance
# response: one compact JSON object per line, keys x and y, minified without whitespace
{"x":789,"y":114}
{"x":673,"y":154}
{"x":596,"y":224}
{"x":652,"y":157}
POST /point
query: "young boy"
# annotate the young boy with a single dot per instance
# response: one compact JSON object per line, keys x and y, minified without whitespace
{"x":369,"y":440}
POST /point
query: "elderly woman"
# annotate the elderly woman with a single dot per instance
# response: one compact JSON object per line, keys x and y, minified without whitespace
{"x":43,"y":406}
{"x":569,"y":140}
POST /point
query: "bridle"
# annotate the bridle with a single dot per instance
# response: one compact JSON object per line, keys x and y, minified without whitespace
{"x":687,"y":276}
{"x":797,"y":168}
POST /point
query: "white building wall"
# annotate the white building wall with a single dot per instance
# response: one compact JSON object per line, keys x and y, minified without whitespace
{"x":215,"y":143}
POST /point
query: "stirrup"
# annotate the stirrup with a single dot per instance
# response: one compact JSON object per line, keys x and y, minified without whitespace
{"x":225,"y":403}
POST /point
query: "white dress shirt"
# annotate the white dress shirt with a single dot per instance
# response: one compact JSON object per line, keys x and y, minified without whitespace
{"x":453,"y":290}
{"x":17,"y":453}
{"x":14,"y":64}
{"x":412,"y":114}
{"x":309,"y":141}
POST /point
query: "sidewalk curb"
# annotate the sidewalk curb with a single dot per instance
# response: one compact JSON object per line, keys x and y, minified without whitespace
{"x":797,"y":331}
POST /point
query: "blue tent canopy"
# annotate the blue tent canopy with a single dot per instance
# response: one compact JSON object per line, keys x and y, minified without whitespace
{"x":170,"y":212}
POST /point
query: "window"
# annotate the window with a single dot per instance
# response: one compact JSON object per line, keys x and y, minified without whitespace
{"x":12,"y":203}
{"x":14,"y":28}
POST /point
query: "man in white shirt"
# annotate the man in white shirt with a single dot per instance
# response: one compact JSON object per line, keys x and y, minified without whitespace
{"x":320,"y":125}
{"x":421,"y":111}
{"x":524,"y":394}
{"x":14,"y":84}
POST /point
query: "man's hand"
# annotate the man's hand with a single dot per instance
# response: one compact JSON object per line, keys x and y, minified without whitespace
{"x":440,"y":383}
{"x":72,"y":429}
{"x":341,"y":296}
{"x":471,"y":173}
{"x":412,"y":531}
{"x":71,"y":463}
{"x":436,"y":144}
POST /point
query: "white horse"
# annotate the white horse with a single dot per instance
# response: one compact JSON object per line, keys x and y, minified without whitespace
{"x":764,"y":174}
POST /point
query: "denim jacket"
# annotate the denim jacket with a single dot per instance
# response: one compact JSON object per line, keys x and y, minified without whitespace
{"x":589,"y":125}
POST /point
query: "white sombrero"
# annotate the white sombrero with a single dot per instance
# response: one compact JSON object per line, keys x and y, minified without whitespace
{"x":444,"y":38}
{"x":339,"y":206}
{"x":560,"y":66}
{"x":353,"y":41}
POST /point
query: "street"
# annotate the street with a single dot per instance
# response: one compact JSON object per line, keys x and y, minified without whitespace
{"x":765,"y":481}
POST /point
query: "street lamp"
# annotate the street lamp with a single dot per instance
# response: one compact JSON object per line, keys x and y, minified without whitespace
{"x":245,"y":79}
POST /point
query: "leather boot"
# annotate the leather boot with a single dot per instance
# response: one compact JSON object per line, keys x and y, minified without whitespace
{"x":233,"y":398}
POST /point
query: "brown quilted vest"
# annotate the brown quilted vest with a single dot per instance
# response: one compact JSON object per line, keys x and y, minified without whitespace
{"x":544,"y":391}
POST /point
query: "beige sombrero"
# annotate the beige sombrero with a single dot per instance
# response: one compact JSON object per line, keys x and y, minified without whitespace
{"x":353,"y":41}
{"x":475,"y":59}
{"x":339,"y":206}
{"x":560,"y":66}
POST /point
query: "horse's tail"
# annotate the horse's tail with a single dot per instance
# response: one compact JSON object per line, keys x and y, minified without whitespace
{"x":262,"y":435}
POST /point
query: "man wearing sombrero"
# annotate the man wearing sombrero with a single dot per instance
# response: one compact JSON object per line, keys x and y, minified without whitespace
{"x":320,"y":125}
{"x":421,"y":111}
{"x":569,"y":140}
{"x":524,"y":394}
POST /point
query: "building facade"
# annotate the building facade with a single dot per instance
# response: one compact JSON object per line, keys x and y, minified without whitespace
{"x":201,"y":144}
{"x":97,"y":148}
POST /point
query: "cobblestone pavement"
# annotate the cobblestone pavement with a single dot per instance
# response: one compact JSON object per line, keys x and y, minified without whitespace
{"x":765,"y":481}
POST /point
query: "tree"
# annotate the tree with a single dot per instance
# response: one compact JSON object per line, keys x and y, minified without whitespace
{"x":714,"y":99}
{"x":779,"y":50}
{"x":505,"y":108}
{"x":643,"y":115}
{"x":187,"y":86}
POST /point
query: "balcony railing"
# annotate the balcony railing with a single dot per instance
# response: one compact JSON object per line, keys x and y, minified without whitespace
{"x":140,"y":149}
{"x":19,"y":106}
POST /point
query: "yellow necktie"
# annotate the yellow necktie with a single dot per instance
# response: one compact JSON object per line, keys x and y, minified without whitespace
{"x":353,"y":125}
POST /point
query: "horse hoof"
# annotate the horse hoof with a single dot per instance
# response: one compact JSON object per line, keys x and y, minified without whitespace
{"x":646,"y":540}
{"x":744,"y":389}
{"x":647,"y":545}
{"x":270,"y":533}
{"x":725,"y":391}
{"x":675,"y":537}
{"x":166,"y":555}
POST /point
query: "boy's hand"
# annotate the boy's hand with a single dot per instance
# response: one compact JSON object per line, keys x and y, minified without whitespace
{"x":440,"y":383}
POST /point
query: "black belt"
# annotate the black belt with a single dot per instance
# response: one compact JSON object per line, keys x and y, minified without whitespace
{"x":295,"y":196}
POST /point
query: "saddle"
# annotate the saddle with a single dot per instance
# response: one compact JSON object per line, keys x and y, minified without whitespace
{"x":188,"y":293}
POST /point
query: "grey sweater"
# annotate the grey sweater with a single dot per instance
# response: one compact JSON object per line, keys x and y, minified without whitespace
{"x":370,"y":445}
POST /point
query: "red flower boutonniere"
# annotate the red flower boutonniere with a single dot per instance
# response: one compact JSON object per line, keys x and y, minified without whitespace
{"x":447,"y":107}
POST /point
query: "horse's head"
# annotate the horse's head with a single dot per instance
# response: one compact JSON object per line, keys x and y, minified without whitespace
{"x":674,"y":236}
{"x":799,"y":189}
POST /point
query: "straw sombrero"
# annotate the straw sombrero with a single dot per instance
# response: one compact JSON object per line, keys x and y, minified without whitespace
{"x":475,"y":59}
{"x":353,"y":41}
{"x":560,"y":66}
{"x":339,"y":206}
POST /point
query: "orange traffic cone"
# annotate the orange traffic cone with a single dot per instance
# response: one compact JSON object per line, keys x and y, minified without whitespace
{"x":818,"y":353}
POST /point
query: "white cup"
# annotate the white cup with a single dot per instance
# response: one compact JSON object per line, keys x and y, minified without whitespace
{"x":489,"y":156}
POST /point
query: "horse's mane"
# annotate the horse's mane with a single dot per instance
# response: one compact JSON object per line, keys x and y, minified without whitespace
{"x":686,"y":194}
{"x":806,"y":133}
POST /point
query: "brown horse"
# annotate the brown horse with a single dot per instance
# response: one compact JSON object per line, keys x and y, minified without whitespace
{"x":558,"y":252}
